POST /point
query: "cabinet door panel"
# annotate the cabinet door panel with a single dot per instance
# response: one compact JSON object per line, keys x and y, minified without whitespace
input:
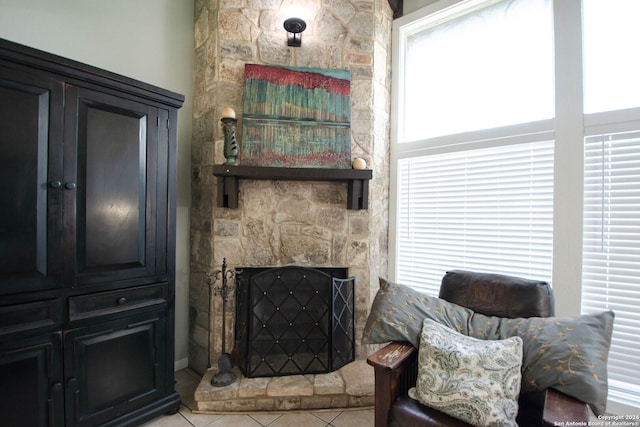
{"x":114,"y":368}
{"x":114,"y":186}
{"x":29,"y":206}
{"x":31,"y":391}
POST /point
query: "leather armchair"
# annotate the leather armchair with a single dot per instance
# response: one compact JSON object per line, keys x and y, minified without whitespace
{"x":396,"y":365}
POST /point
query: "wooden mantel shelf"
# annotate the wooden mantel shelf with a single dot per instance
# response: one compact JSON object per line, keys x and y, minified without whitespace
{"x":228,"y":177}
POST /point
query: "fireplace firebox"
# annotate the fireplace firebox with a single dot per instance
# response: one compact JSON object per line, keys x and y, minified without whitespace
{"x":294,"y":320}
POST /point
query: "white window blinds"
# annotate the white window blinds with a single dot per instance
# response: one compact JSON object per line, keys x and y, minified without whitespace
{"x":611,"y":255}
{"x":488,"y":209}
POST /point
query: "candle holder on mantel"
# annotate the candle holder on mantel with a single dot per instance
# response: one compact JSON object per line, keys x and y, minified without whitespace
{"x":229,"y":122}
{"x":218,"y":285}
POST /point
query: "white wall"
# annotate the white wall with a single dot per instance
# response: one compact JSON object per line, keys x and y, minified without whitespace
{"x":409,"y":6}
{"x":148,"y":40}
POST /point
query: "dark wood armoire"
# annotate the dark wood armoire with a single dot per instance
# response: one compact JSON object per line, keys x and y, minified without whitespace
{"x":87,"y":244}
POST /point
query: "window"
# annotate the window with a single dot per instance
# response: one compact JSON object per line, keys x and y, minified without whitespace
{"x":612,"y":67}
{"x":569,"y":126}
{"x":611,"y":243}
{"x":611,"y":265}
{"x":474,"y":147}
{"x":478,"y":66}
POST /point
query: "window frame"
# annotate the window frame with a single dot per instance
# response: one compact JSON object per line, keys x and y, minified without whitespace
{"x":569,"y":128}
{"x":568,"y":154}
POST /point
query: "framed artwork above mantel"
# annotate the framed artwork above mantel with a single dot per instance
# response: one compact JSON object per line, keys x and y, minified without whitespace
{"x":296,"y":117}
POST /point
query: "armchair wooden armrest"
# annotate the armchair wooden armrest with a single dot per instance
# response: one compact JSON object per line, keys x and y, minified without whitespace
{"x":396,"y":369}
{"x":560,"y":408}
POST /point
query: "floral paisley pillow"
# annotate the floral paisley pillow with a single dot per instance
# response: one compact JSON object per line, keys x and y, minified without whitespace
{"x":477,"y":381}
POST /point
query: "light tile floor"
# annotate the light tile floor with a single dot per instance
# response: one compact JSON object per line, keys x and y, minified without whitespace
{"x":187,"y":381}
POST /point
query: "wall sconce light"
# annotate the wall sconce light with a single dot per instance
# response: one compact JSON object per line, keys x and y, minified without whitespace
{"x":294,"y":27}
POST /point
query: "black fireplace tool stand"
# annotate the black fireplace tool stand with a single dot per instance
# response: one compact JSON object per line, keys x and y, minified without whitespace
{"x":218,"y":285}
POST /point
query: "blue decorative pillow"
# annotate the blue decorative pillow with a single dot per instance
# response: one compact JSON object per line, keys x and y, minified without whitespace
{"x":568,"y":354}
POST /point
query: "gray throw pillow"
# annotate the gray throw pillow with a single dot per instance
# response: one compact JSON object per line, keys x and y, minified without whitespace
{"x":398,"y":311}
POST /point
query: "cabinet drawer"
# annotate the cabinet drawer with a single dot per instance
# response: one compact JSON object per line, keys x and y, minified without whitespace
{"x":24,"y":317}
{"x":104,"y":303}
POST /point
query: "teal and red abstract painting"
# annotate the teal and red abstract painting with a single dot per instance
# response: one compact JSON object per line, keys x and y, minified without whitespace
{"x":296,"y":117}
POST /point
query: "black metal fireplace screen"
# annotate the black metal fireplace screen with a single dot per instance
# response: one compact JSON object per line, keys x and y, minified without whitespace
{"x":294,"y":320}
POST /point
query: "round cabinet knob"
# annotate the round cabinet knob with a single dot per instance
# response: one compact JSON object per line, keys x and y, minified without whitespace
{"x":70,"y":185}
{"x":55,"y":184}
{"x":122,"y":300}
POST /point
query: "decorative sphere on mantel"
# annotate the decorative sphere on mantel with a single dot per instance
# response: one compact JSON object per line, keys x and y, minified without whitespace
{"x":359,"y":163}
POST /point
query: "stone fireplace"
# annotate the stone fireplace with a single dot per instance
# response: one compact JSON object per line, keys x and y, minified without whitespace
{"x":281,"y":223}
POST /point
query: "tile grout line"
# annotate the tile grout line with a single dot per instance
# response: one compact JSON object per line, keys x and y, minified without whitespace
{"x":328,"y":422}
{"x":265,"y":425}
{"x":185,"y":418}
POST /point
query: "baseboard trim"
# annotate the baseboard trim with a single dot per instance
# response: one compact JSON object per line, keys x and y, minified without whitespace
{"x":181,"y":364}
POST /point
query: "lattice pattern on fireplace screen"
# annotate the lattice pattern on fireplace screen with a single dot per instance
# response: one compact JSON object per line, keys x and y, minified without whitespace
{"x":343,"y":334}
{"x":294,"y":320}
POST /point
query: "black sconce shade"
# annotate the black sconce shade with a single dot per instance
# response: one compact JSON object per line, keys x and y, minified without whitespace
{"x":294,"y":27}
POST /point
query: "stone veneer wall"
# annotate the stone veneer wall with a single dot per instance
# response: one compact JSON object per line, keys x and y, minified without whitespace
{"x":286,"y":222}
